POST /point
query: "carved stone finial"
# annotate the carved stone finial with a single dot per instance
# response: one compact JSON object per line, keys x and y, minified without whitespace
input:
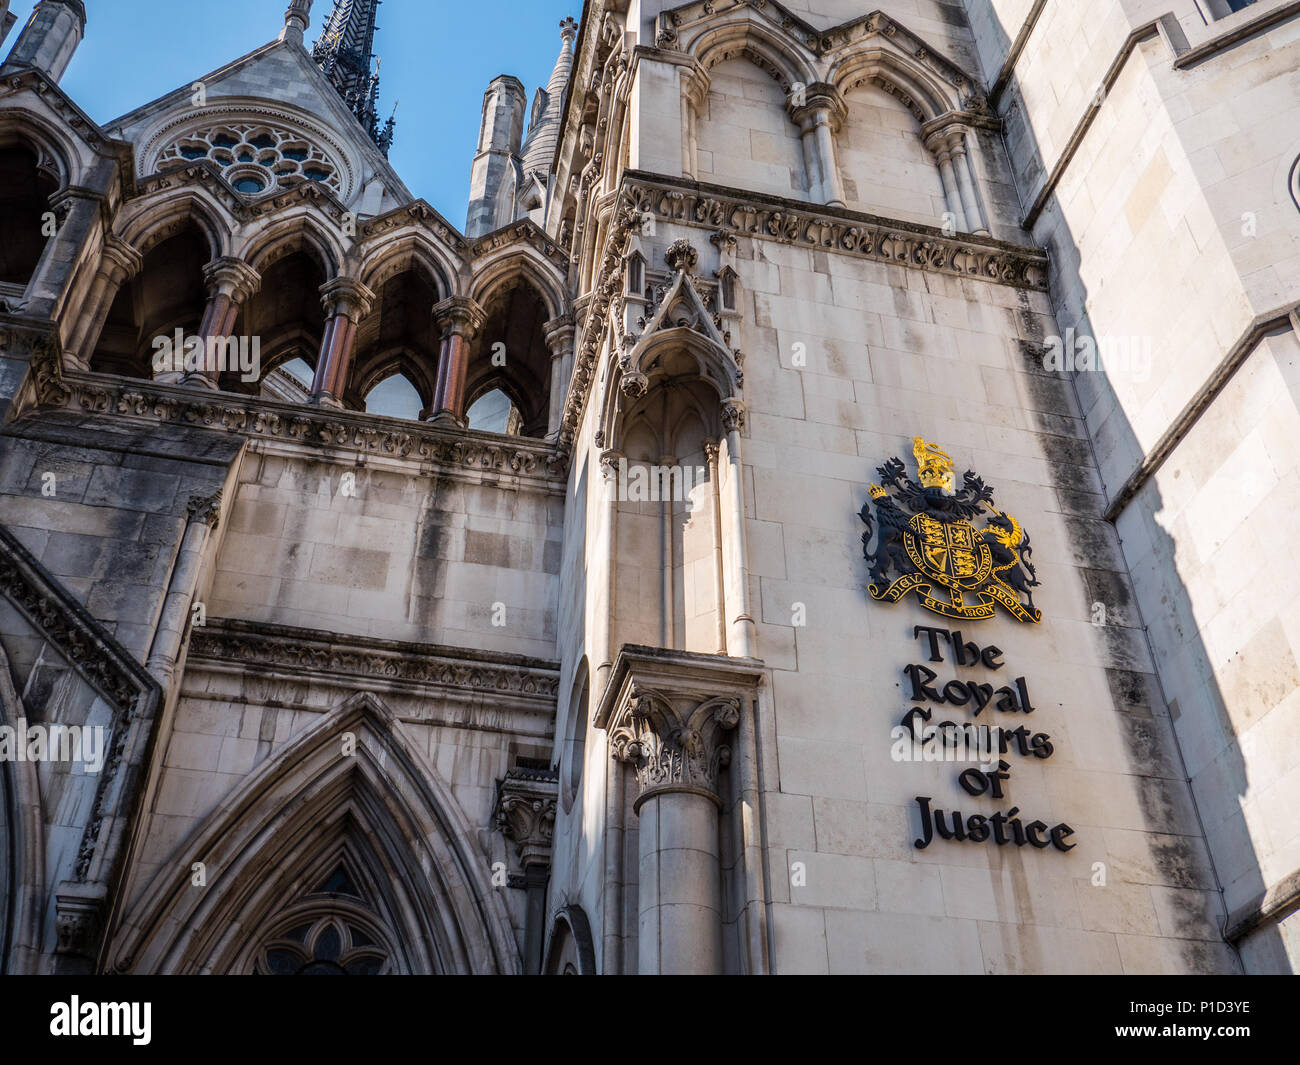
{"x":681,"y":256}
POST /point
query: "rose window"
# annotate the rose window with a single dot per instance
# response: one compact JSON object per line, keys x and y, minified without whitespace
{"x":254,"y":158}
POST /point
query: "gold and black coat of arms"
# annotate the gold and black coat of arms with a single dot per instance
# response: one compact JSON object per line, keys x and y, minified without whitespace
{"x":926,"y":542}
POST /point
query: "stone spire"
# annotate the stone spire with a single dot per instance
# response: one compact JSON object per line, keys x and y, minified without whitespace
{"x":345,"y":52}
{"x":544,"y":125}
{"x":296,"y":20}
{"x":50,"y":37}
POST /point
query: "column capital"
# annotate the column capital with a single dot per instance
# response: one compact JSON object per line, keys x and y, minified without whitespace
{"x":559,"y":333}
{"x":525,"y":813}
{"x":733,"y":415}
{"x":817,"y":104}
{"x":669,"y":715}
{"x":232,"y":278}
{"x":459,"y":316}
{"x":695,"y":83}
{"x":945,"y":135}
{"x":348,"y":297}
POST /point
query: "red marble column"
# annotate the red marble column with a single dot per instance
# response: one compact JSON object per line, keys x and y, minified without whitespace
{"x":230,"y":283}
{"x":346,"y":302}
{"x":459,"y":319}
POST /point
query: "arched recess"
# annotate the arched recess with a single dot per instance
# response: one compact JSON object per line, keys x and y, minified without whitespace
{"x":885,"y":167}
{"x":382,"y":259}
{"x":167,"y":294}
{"x":149,"y":221}
{"x":302,"y":233}
{"x":25,"y":191}
{"x":284,"y":318}
{"x":919,"y":91}
{"x":668,"y":513}
{"x":399,"y":335}
{"x":382,"y":813}
{"x":903,"y":149}
{"x":738,"y":127}
{"x":57,"y":155}
{"x":22,"y":846}
{"x":571,"y":950}
{"x":510,"y":352}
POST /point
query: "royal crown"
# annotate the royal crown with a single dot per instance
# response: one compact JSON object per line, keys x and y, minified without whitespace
{"x":877,"y":492}
{"x":934,"y":466}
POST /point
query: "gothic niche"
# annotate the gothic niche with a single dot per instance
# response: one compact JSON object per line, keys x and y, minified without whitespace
{"x":508,"y":384}
{"x":25,"y":191}
{"x":254,"y":158}
{"x":168,"y":293}
{"x":669,"y":551}
{"x":287,"y":318}
{"x":397,"y":349}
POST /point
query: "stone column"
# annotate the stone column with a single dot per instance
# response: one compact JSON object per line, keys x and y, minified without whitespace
{"x":346,"y":302}
{"x":76,"y":213}
{"x":694,"y":91}
{"x":948,"y":143}
{"x":559,"y":334}
{"x":525,"y":814}
{"x":742,"y":637}
{"x":676,"y":752}
{"x":819,"y":112}
{"x":230,"y":283}
{"x":951,"y":193}
{"x":202,"y":513}
{"x":459,"y":318}
{"x":118,"y":264}
{"x":713,"y":449}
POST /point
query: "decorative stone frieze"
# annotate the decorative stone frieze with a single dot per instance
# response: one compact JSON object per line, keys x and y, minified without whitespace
{"x":279,"y":647}
{"x":146,"y":401}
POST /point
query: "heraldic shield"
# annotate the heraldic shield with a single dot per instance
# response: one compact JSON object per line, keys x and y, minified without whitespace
{"x":928,"y":545}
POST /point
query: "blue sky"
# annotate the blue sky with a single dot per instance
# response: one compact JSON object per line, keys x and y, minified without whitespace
{"x":438,"y":57}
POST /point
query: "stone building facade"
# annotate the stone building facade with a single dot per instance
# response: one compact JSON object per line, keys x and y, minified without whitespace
{"x":539,"y":597}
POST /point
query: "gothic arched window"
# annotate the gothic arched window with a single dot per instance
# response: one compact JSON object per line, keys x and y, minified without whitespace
{"x":329,"y":946}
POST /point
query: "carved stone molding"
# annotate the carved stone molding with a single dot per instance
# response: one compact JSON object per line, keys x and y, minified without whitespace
{"x":840,"y":230}
{"x":56,"y":388}
{"x":671,"y":745}
{"x":760,"y":217}
{"x":671,"y":716}
{"x":278,"y":647}
{"x":525,"y":813}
